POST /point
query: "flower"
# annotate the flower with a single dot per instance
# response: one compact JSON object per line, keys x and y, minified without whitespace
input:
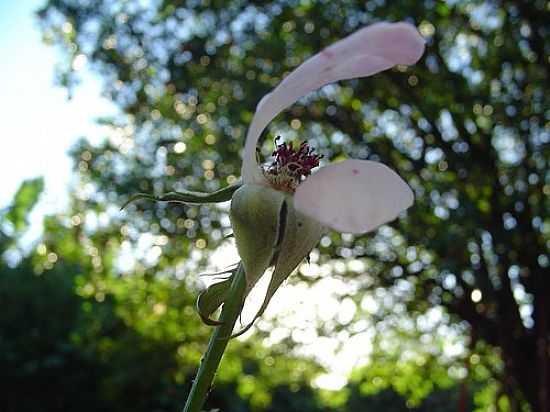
{"x":281,"y":210}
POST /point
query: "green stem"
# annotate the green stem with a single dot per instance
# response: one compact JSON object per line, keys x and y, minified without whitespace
{"x":217,"y":344}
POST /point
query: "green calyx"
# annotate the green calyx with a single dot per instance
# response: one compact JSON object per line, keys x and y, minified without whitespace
{"x":270,"y":232}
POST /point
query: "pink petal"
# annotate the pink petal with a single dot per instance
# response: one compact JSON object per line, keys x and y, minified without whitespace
{"x":368,"y":51}
{"x":354,"y":196}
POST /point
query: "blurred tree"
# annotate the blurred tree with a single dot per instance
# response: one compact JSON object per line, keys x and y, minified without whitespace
{"x":467,"y":128}
{"x":75,"y":335}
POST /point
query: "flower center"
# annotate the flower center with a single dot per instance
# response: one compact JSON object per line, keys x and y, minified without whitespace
{"x":290,"y":166}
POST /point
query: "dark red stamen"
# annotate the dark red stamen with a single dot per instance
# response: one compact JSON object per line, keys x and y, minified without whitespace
{"x":298,"y":162}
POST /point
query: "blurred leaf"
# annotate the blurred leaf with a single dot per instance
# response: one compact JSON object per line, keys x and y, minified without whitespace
{"x":24,"y":201}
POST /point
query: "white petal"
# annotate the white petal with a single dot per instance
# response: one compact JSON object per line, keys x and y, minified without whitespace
{"x":354,"y":196}
{"x":368,"y":51}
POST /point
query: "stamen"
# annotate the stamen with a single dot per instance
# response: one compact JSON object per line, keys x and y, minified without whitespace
{"x":291,"y":166}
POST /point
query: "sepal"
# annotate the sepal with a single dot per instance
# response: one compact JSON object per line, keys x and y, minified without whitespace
{"x":210,"y":299}
{"x":189,"y":197}
{"x":256,"y":213}
{"x":300,"y":236}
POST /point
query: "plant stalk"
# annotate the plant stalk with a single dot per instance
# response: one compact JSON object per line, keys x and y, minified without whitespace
{"x":217,"y":344}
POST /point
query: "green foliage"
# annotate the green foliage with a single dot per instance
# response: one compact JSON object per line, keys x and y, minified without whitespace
{"x":75,"y":335}
{"x":14,"y":218}
{"x":25,"y":199}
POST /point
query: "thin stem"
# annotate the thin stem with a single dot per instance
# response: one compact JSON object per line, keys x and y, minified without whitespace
{"x":217,"y":344}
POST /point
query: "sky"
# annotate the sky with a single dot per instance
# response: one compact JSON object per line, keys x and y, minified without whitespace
{"x":38,"y":124}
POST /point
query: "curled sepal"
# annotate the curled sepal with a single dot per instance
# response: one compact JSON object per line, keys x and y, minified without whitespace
{"x":300,"y":236}
{"x":211,"y":299}
{"x":187,"y":196}
{"x":256,"y":213}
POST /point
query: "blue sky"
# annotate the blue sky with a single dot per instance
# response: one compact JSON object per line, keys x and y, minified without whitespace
{"x":37,"y":123}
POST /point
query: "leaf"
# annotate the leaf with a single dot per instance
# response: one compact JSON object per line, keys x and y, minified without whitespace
{"x":24,"y":200}
{"x":189,"y":197}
